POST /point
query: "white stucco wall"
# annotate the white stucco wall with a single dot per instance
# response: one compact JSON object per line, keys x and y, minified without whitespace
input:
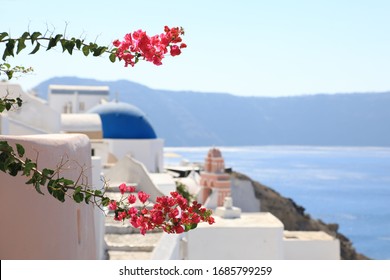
{"x":4,"y":124}
{"x":99,"y":215}
{"x":254,"y":236}
{"x":170,"y":247}
{"x":243,"y":195}
{"x":164,"y":182}
{"x":81,"y":122}
{"x":34,"y":117}
{"x":133,"y":172}
{"x":147,"y":151}
{"x":35,"y":226}
{"x":310,"y":246}
{"x":73,"y":96}
{"x":101,"y":149}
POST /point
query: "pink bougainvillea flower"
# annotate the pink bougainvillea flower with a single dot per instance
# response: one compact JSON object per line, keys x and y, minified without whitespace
{"x":138,"y":45}
{"x":157,"y":217}
{"x":132,"y":211}
{"x":112,"y":205}
{"x":124,"y":188}
{"x":211,"y":220}
{"x":178,"y":229}
{"x":175,"y":50}
{"x":131,"y":199}
{"x":171,"y":213}
{"x":143,"y":197}
{"x":120,"y":216}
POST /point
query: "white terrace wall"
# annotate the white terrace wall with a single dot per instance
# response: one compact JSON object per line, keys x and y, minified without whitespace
{"x":254,"y":236}
{"x":316,"y":245}
{"x":36,"y":117}
{"x":35,"y":226}
{"x":147,"y":151}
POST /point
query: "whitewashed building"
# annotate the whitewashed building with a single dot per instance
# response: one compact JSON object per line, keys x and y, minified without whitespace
{"x":68,"y":99}
{"x":126,"y":148}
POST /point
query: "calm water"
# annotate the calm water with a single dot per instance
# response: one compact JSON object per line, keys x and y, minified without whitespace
{"x":348,"y":186}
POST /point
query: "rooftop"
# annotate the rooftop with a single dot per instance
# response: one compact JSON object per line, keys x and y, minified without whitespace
{"x":307,"y":235}
{"x":67,"y":89}
{"x":247,"y":220}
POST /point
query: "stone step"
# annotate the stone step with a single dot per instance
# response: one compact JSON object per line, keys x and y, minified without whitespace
{"x":132,"y":242}
{"x":123,"y":255}
{"x":116,"y":227}
{"x":114,"y":187}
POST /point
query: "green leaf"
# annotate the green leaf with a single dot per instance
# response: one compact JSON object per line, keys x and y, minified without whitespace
{"x":36,"y":177}
{"x":112,"y":57}
{"x":86,"y":50}
{"x":5,"y":147}
{"x":10,"y":46}
{"x":51,"y":185}
{"x":77,"y":195}
{"x":25,"y":35}
{"x":87,"y":197}
{"x":9,"y":49}
{"x":20,"y":150}
{"x":29,"y":182}
{"x":57,"y":38}
{"x":19,"y":101}
{"x":5,"y":161}
{"x":190,"y":227}
{"x":98,"y":193}
{"x":35,"y":36}
{"x":59,"y":195}
{"x":36,"y":48}
{"x":47,"y":172}
{"x":43,"y":181}
{"x":21,"y":45}
{"x":3,"y":35}
{"x":53,"y":41}
{"x":69,"y":47}
{"x":28,"y":167}
{"x":99,"y":51}
{"x":63,"y":44}
{"x":105,"y":201}
{"x":37,"y":188}
{"x":93,"y":46}
{"x":78,"y":44}
{"x":9,"y":76}
{"x":65,"y":182}
{"x":34,"y":180}
{"x":56,"y":190}
{"x":8,"y":105}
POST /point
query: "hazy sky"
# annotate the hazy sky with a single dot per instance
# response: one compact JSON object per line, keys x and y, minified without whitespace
{"x":261,"y":48}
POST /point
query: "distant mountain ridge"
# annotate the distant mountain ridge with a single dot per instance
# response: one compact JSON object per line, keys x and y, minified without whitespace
{"x":185,"y":118}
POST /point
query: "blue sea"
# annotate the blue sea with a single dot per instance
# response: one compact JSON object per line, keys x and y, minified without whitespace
{"x":349,"y":186}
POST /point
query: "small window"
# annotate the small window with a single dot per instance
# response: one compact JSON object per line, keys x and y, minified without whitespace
{"x":81,"y":106}
{"x":67,"y":109}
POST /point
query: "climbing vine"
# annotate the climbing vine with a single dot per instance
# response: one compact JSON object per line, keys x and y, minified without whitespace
{"x":174,"y":214}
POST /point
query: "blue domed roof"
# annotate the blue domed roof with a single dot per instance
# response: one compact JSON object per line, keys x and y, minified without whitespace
{"x":123,"y":121}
